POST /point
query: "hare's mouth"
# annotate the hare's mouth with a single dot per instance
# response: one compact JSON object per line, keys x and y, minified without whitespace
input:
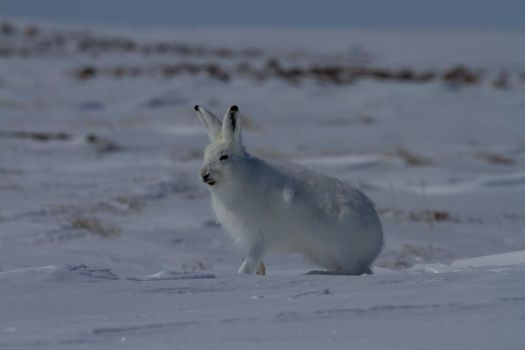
{"x":209,"y":181}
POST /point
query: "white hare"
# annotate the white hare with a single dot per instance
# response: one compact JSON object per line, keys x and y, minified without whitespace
{"x":283,"y":207}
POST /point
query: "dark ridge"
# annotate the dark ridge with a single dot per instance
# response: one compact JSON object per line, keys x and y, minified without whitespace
{"x":37,"y":135}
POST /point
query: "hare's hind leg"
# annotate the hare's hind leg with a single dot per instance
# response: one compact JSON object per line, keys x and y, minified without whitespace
{"x":261,"y":270}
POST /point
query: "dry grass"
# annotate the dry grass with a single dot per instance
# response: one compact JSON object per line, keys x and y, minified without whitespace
{"x":366,"y":119}
{"x":497,"y":159}
{"x":130,"y":203}
{"x":40,"y":136}
{"x":432,"y":216}
{"x":94,"y":225}
{"x":411,"y":158}
{"x":427,"y":215}
{"x":102,"y":145}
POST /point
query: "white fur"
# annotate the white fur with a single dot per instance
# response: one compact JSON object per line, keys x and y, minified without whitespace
{"x":269,"y":206}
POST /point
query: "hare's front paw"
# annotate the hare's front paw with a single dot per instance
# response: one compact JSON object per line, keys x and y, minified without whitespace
{"x":247,"y":266}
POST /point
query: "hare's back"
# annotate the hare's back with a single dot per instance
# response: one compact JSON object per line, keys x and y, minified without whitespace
{"x":327,"y":196}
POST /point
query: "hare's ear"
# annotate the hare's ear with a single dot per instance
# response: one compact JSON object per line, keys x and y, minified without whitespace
{"x":231,"y":126}
{"x":210,"y":121}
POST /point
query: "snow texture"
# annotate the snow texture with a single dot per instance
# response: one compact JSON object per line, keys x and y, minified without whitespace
{"x":108,"y":238}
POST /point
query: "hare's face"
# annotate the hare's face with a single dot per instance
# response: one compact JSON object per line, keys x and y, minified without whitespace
{"x":225,"y":149}
{"x":218,"y":162}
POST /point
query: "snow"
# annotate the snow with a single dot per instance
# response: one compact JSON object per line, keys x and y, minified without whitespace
{"x":110,"y":241}
{"x":466,"y":309}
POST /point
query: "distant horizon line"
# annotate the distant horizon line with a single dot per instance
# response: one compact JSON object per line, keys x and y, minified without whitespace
{"x":164,"y":26}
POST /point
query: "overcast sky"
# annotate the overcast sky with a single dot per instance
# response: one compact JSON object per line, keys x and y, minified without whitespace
{"x":502,"y":15}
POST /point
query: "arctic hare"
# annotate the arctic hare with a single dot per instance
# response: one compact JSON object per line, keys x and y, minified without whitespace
{"x":267,"y":205}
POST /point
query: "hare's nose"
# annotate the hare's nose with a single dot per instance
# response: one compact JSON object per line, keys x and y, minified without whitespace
{"x":204,"y":173}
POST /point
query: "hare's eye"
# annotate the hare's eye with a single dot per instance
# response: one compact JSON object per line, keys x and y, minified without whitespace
{"x":223,"y":157}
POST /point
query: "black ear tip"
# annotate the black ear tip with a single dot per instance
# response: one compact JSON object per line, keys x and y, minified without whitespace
{"x":234,"y":108}
{"x":196,"y":107}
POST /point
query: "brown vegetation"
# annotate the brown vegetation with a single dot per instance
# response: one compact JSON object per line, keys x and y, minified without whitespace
{"x":497,"y":159}
{"x":411,"y":158}
{"x":36,"y":135}
{"x":432,"y":216}
{"x":94,"y":225}
{"x":32,"y":40}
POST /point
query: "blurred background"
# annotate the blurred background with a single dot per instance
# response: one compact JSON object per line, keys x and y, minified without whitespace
{"x":379,"y":14}
{"x":417,"y":103}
